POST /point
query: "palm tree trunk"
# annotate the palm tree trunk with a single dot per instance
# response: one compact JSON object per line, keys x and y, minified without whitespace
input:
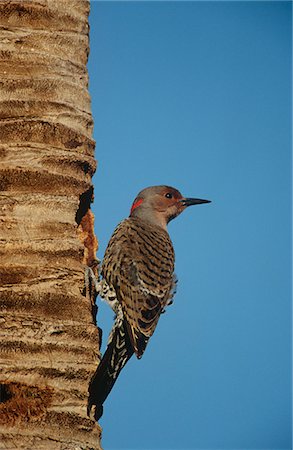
{"x":49,"y":341}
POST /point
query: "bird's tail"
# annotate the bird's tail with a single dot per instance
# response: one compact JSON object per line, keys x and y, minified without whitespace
{"x":119,"y":351}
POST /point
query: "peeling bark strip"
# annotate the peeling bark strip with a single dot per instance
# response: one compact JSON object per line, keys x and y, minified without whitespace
{"x":48,"y":340}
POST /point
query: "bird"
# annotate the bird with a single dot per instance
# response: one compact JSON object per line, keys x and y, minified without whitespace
{"x":137,"y":281}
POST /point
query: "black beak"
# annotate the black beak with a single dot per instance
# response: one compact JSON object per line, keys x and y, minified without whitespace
{"x":193,"y":201}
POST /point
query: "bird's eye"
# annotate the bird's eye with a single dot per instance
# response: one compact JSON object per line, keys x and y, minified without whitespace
{"x":169,"y":195}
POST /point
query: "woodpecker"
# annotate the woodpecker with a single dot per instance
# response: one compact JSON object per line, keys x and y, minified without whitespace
{"x":138,"y":282}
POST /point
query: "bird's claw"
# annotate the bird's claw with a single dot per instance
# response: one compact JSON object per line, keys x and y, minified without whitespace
{"x":92,"y":283}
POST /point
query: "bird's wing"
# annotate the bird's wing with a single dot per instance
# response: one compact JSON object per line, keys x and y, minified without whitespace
{"x":144,"y":280}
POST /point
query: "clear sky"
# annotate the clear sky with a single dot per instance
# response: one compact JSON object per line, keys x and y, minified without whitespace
{"x":197,"y":95}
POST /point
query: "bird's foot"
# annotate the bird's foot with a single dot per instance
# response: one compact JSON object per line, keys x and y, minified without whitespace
{"x":91,"y":282}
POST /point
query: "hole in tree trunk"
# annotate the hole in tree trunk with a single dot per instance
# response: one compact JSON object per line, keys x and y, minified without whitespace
{"x":5,"y":393}
{"x":85,"y":201}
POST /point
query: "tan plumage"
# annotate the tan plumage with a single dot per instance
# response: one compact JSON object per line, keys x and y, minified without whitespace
{"x":138,"y":281}
{"x":143,"y":256}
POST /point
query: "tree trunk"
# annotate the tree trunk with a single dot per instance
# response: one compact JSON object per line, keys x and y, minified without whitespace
{"x":49,"y":341}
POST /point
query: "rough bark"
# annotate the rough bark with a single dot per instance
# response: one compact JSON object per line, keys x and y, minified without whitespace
{"x":49,"y":341}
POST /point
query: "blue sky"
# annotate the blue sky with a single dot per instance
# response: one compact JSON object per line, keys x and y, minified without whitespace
{"x":197,"y":95}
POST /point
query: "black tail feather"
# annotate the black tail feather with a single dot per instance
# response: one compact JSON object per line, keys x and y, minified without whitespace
{"x":119,"y":351}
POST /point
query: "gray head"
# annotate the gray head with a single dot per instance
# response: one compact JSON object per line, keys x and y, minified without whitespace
{"x":160,"y":204}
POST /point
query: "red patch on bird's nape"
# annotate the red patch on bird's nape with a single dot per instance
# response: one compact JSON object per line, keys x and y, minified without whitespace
{"x":135,"y":204}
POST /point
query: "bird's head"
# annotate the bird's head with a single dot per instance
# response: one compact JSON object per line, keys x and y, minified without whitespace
{"x":160,"y":204}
